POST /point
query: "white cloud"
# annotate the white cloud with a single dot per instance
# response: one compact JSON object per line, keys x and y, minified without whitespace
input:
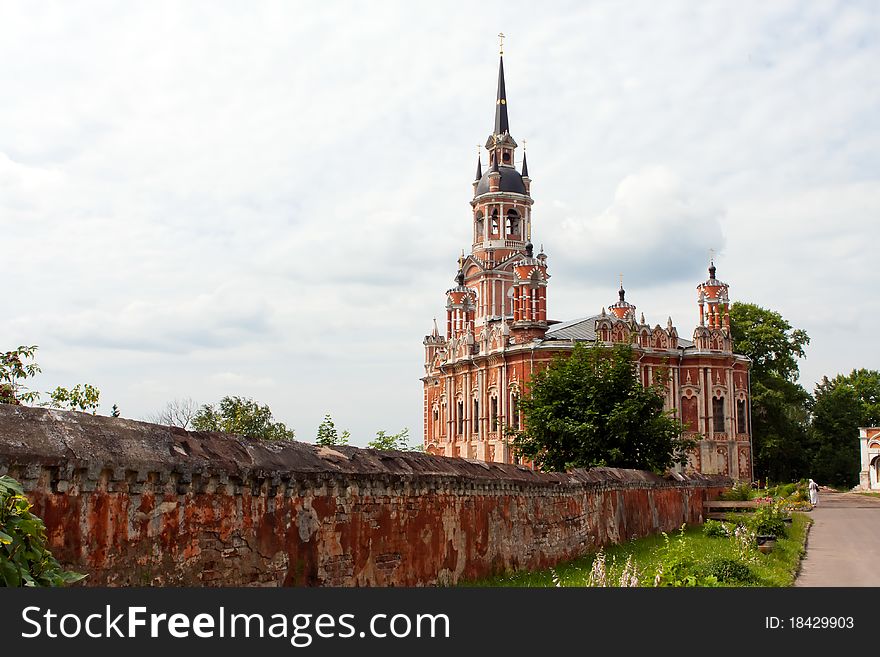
{"x":203,"y":199}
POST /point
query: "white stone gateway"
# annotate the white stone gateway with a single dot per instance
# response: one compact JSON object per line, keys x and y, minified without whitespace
{"x":869,"y":444}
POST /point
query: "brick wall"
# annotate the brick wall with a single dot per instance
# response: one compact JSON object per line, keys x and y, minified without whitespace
{"x":133,"y":503}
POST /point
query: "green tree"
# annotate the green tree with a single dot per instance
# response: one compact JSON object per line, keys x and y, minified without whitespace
{"x":780,"y":415}
{"x":327,"y":434}
{"x":243,"y":417}
{"x":842,"y":405}
{"x":398,"y":441}
{"x":81,"y":397}
{"x":14,"y":369}
{"x":590,"y":409}
{"x":24,"y":558}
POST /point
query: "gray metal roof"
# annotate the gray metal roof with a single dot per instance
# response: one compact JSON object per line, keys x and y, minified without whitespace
{"x":576,"y":329}
{"x":584,"y":329}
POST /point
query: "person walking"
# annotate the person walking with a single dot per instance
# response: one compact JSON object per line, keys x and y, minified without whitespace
{"x":814,"y":492}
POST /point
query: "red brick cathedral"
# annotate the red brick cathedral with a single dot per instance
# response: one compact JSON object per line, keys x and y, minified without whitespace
{"x":497,"y":335}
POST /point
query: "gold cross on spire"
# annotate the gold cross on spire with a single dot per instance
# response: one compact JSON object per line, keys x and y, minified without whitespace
{"x":524,"y":146}
{"x":501,"y":43}
{"x":711,"y":255}
{"x":621,"y":280}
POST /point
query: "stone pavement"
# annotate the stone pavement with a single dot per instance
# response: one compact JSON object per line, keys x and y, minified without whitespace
{"x":843,"y":548}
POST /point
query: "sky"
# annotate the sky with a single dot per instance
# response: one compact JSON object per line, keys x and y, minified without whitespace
{"x":200,"y":199}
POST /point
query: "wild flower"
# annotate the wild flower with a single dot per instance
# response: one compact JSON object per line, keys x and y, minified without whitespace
{"x":554,"y":576}
{"x":745,"y":542}
{"x":658,"y":577}
{"x":630,"y":575}
{"x":598,"y":575}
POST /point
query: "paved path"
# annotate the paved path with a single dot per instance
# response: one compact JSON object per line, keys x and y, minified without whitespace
{"x":843,"y":548}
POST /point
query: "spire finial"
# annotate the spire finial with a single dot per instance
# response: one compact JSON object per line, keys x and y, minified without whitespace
{"x":501,"y":43}
{"x":501,"y":124}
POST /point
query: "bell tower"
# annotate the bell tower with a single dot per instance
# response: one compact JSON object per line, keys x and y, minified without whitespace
{"x":508,"y":280}
{"x":713,"y":298}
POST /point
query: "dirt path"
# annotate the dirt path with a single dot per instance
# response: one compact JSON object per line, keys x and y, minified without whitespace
{"x":844,"y":543}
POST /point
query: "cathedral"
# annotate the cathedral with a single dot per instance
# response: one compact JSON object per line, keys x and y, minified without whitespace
{"x":497,"y":334}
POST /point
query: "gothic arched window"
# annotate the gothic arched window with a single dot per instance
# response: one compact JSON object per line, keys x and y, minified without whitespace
{"x":495,"y":222}
{"x":478,"y":227}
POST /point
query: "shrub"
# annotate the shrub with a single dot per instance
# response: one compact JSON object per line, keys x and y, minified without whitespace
{"x":728,"y":570}
{"x":715,"y":529}
{"x":24,"y":558}
{"x":768,"y":519}
{"x":739,"y":493}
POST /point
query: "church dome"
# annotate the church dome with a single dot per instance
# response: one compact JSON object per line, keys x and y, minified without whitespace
{"x":511,"y":181}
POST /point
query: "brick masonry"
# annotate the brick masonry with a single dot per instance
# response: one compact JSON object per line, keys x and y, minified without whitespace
{"x":132,"y":503}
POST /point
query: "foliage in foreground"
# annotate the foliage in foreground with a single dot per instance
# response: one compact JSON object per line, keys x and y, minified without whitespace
{"x":686,"y":558}
{"x":590,"y":409}
{"x":243,"y":417}
{"x":24,"y":558}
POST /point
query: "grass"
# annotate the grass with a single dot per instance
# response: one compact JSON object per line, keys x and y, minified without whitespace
{"x":870,"y":494}
{"x":778,"y":568}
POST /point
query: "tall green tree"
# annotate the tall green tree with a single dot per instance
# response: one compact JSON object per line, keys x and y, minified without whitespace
{"x":328,"y":435}
{"x":590,"y":409}
{"x":241,"y":416}
{"x":841,"y":406}
{"x":780,"y":415}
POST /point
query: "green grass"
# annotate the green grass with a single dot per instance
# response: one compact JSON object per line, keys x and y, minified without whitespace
{"x":778,"y":568}
{"x":870,"y":494}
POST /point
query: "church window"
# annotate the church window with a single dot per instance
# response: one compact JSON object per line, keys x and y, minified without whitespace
{"x":478,"y":227}
{"x":512,"y":224}
{"x":505,"y":157}
{"x":494,"y":413}
{"x":494,"y":222}
{"x":740,"y":415}
{"x":476,"y":418}
{"x":514,"y":411}
{"x":460,"y":417}
{"x":718,"y":414}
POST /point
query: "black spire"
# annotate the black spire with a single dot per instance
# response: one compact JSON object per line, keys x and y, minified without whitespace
{"x":479,"y":168}
{"x":621,"y":293}
{"x":525,"y":167}
{"x":501,"y":125}
{"x":712,"y":270}
{"x":459,"y":278}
